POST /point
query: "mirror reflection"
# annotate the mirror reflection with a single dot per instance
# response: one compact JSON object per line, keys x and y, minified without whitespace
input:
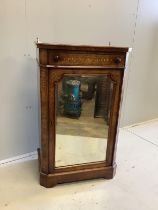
{"x":83,"y":105}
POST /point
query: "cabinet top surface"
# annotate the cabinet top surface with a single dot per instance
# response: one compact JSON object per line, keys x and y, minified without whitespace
{"x":81,"y":47}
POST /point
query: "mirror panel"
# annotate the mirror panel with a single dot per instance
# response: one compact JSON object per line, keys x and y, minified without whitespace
{"x":83,"y":105}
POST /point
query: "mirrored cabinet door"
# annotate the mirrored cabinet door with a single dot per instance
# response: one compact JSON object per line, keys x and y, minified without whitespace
{"x":83,"y":107}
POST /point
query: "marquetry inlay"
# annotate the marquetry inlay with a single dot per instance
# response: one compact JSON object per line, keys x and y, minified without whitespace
{"x":84,"y":59}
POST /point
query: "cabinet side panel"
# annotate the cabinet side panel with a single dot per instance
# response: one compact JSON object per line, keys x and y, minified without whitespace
{"x":111,"y":147}
{"x":118,"y":116}
{"x":44,"y":119}
{"x":52,"y":120}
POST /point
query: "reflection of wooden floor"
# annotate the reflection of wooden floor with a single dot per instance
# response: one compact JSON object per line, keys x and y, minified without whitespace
{"x":72,"y":150}
{"x":85,"y":125}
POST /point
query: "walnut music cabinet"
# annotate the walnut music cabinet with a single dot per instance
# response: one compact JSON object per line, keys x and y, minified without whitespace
{"x":80,"y":93}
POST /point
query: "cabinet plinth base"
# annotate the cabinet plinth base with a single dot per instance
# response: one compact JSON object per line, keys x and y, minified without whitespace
{"x":50,"y":180}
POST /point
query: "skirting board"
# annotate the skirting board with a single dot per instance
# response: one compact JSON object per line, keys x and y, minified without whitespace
{"x":141,"y":123}
{"x":18,"y":159}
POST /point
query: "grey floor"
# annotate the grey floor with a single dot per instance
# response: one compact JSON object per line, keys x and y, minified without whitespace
{"x":134,"y":187}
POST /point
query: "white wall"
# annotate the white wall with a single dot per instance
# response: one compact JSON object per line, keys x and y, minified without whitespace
{"x":140,"y":101}
{"x":152,"y":104}
{"x":18,"y":83}
{"x":75,"y":22}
